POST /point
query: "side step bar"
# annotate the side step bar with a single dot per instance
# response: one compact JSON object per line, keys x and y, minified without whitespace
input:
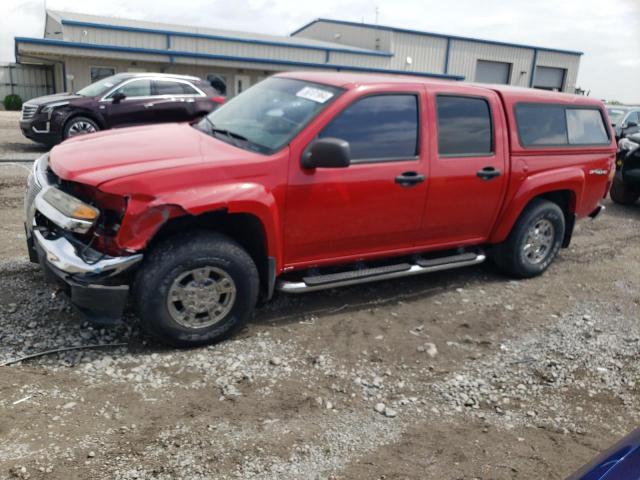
{"x":353,"y":277}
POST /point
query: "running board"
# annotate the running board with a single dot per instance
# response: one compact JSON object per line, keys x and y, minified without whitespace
{"x":353,"y":277}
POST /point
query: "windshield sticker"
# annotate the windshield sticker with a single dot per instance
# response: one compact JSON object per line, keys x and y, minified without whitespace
{"x":314,"y":94}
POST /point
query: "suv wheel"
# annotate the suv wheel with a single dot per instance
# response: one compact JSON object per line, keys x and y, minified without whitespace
{"x":196,"y":290}
{"x":79,"y":126}
{"x":620,"y":193}
{"x":534,"y":241}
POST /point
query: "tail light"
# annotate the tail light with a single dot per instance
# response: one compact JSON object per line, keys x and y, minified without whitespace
{"x":219,"y":99}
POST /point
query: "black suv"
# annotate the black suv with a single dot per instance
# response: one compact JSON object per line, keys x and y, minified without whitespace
{"x":122,"y":100}
{"x":626,"y":184}
{"x":624,"y":120}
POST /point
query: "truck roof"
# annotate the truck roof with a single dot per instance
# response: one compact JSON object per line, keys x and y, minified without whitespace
{"x":354,"y":80}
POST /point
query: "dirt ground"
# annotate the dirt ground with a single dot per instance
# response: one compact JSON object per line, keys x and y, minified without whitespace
{"x":456,"y":375}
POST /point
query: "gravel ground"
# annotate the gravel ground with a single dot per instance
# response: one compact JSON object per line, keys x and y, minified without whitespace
{"x":455,"y":375}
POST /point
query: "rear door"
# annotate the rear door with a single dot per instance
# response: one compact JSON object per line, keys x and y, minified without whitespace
{"x":375,"y":204}
{"x":174,"y":100}
{"x":468,"y":165}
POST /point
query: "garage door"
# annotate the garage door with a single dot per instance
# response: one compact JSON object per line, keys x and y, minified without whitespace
{"x":493,"y":72}
{"x":549,"y":78}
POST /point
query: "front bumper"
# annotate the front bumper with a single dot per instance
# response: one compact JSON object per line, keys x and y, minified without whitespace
{"x":97,"y":284}
{"x":41,"y":128}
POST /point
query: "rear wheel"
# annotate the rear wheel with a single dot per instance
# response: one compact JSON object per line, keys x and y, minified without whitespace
{"x":534,"y":241}
{"x":79,"y":126}
{"x":195,"y":290}
{"x":622,"y":194}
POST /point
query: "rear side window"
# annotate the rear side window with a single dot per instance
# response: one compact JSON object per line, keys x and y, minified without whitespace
{"x":167,"y":87}
{"x":380,"y":127}
{"x":559,"y":125}
{"x":464,"y":126}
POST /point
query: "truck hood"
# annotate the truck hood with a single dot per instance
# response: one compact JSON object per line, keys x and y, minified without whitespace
{"x":113,"y":154}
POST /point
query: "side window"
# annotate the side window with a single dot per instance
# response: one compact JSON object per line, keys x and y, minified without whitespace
{"x":464,"y":126}
{"x":586,"y":126}
{"x":560,"y":125}
{"x":137,"y":88}
{"x":633,"y":117}
{"x":169,"y":87}
{"x":541,"y":124}
{"x":380,"y":127}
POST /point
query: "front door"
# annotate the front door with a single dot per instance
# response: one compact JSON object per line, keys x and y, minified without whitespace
{"x":372,"y":206}
{"x":134,"y":109}
{"x":468,"y":170}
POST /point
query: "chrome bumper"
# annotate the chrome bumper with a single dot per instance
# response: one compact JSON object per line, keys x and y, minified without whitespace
{"x":63,"y":255}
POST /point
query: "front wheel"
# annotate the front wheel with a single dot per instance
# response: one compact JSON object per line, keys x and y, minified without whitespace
{"x":79,"y":126}
{"x":621,"y":193}
{"x":534,"y":241}
{"x":196,"y":290}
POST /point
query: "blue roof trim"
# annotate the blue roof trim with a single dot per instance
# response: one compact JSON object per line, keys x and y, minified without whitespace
{"x":437,"y":35}
{"x":121,"y":28}
{"x":177,"y":53}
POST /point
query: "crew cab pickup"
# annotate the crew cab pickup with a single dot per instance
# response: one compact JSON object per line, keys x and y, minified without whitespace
{"x":310,"y":181}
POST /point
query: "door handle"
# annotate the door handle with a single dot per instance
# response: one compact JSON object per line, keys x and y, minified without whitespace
{"x":488,"y":173}
{"x":409,"y":179}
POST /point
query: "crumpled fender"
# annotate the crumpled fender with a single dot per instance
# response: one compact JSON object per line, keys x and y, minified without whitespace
{"x":570,"y":178}
{"x":145,"y":216}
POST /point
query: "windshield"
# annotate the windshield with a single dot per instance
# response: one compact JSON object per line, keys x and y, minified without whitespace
{"x":268,"y":115}
{"x":99,"y":87}
{"x":615,"y":115}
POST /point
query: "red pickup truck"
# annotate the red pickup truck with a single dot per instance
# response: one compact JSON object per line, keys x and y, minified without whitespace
{"x":309,"y":181}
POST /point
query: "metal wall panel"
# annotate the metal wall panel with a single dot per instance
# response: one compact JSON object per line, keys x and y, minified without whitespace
{"x":561,"y":60}
{"x":464,"y":58}
{"x":27,"y":81}
{"x":113,"y":37}
{"x":347,"y":35}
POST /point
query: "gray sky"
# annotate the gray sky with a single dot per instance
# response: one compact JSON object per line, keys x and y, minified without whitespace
{"x":607,"y":31}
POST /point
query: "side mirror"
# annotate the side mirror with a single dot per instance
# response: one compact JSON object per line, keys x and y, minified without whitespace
{"x":327,"y":153}
{"x":118,"y":97}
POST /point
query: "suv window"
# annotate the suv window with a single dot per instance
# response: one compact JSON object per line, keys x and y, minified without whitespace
{"x":633,"y":117}
{"x":379,"y":127}
{"x":136,"y":88}
{"x":464,"y":126}
{"x":560,"y":125}
{"x":169,"y":87}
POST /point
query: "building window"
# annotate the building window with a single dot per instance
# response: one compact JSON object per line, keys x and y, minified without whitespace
{"x":464,"y":126}
{"x":219,"y":82}
{"x":549,"y":78}
{"x":381,"y":127}
{"x":98,"y":73}
{"x":493,"y":72}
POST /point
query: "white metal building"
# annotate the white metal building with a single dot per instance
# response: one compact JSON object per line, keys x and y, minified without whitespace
{"x":80,"y":49}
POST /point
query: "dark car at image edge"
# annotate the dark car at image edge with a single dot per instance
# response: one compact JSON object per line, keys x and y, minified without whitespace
{"x":122,"y":100}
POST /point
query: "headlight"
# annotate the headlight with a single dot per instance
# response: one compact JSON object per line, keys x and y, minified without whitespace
{"x":626,"y":144}
{"x":49,"y":108}
{"x":70,"y":206}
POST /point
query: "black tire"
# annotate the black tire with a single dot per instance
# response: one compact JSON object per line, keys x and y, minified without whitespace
{"x":511,"y":257}
{"x":67,"y":132}
{"x":174,"y":258}
{"x":622,"y":194}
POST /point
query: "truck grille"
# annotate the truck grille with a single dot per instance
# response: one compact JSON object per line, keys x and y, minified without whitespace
{"x":28,"y":111}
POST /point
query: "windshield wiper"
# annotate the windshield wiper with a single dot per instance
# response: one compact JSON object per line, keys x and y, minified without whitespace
{"x":234,"y":137}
